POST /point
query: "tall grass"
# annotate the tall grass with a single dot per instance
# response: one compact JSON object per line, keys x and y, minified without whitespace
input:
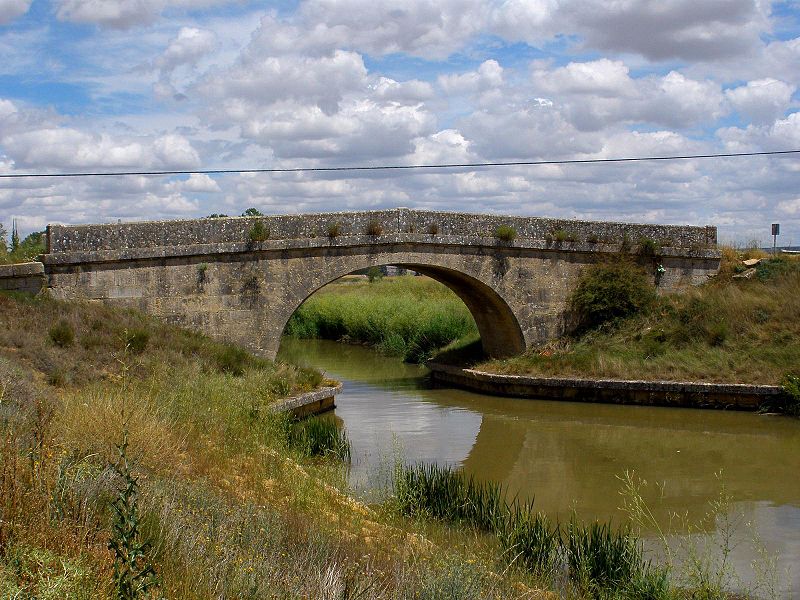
{"x":441,"y":493}
{"x":230,"y":510}
{"x":319,"y":436}
{"x":598,"y":560}
{"x":409,"y":317}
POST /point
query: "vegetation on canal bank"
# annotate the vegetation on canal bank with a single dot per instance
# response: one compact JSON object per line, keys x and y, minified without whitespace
{"x":594,"y":560}
{"x":727,"y":331}
{"x":409,"y":317}
{"x":230,"y":504}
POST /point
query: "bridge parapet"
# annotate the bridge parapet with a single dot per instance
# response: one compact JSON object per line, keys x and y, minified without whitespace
{"x":232,"y":234}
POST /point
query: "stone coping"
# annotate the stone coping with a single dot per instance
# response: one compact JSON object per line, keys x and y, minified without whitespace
{"x":22,"y":269}
{"x":214,"y":249}
{"x":660,"y":393}
{"x":314,"y":397}
{"x":157,"y":234}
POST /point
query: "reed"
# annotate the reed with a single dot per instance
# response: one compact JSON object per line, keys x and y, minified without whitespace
{"x":529,"y":539}
{"x":319,"y":436}
{"x":604,"y":561}
{"x":439,"y":492}
{"x":409,"y":317}
{"x":599,"y":560}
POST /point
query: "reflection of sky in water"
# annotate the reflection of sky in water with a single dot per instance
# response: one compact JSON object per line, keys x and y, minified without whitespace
{"x":568,"y":455}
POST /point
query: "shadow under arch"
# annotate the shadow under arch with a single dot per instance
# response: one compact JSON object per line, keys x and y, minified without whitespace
{"x":498,"y":326}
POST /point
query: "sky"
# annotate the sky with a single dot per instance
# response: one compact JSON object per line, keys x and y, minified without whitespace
{"x":119,"y":85}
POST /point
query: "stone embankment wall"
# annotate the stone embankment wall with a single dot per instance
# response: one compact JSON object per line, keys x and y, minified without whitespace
{"x":23,"y":277}
{"x":211,"y":275}
{"x":609,"y":391}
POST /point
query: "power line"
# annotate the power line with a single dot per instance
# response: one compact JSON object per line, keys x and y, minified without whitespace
{"x":516,"y":163}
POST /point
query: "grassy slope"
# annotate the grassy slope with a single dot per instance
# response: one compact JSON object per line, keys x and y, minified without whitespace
{"x":728,"y":331}
{"x":403,"y":316}
{"x":231,"y":511}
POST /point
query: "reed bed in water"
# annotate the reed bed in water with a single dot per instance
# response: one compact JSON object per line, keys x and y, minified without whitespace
{"x":404,"y":316}
{"x":596,"y":560}
{"x":319,"y":436}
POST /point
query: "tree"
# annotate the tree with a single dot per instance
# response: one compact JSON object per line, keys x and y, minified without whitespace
{"x":3,"y":240}
{"x":252,"y":212}
{"x":14,"y":236}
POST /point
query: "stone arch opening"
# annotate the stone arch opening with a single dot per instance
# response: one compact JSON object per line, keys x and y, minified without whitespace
{"x":498,"y":326}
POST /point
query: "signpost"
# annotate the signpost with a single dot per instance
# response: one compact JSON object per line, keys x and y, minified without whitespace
{"x":776,"y":231}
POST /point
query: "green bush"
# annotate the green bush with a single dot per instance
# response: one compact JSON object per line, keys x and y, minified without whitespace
{"x":505,"y":233}
{"x":791,"y":395}
{"x":374,"y":228}
{"x":648,"y":247}
{"x":258,"y":232}
{"x":136,"y":340}
{"x":374,"y":274}
{"x":609,"y":292}
{"x":62,"y":334}
{"x":334,"y":230}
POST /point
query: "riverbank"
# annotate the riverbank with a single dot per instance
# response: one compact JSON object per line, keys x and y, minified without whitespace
{"x":684,"y":394}
{"x":731,"y":330}
{"x":228,"y":507}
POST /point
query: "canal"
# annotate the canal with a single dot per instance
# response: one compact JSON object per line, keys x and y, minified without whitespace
{"x":570,"y":457}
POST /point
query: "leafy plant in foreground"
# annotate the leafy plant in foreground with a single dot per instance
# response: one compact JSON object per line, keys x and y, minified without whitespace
{"x":133,"y":574}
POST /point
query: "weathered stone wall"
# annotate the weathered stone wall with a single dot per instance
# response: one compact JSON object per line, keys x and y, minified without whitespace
{"x":160,"y":234}
{"x":23,"y":277}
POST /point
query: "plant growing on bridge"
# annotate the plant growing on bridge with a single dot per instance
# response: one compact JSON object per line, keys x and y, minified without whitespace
{"x":334,"y":229}
{"x":505,"y":233}
{"x":374,"y":228}
{"x":610,"y":292}
{"x":562,"y":235}
{"x":258,"y":232}
{"x":433,"y":228}
{"x":649,"y":247}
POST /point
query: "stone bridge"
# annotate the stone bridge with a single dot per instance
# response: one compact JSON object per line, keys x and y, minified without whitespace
{"x":241,"y":278}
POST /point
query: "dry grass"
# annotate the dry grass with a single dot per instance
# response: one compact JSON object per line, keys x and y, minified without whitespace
{"x":231,"y":510}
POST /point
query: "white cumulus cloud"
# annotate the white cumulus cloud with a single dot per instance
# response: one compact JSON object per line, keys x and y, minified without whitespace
{"x":11,"y":9}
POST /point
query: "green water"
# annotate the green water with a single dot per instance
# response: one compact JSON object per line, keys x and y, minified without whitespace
{"x":569,"y":456}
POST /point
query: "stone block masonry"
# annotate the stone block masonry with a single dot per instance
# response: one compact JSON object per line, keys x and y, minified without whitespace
{"x":212,"y":275}
{"x":23,"y":277}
